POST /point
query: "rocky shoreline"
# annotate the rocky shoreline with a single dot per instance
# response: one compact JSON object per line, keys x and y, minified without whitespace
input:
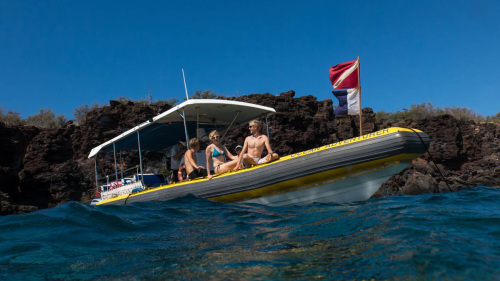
{"x":43,"y":168}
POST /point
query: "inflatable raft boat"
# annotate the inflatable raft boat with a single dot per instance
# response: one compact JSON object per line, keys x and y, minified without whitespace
{"x":345,"y":171}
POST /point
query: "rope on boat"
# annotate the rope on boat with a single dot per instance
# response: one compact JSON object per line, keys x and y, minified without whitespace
{"x":229,"y":127}
{"x":433,"y":161}
{"x":125,"y":203}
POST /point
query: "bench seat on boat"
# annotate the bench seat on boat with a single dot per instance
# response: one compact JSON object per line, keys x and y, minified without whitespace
{"x":151,"y":180}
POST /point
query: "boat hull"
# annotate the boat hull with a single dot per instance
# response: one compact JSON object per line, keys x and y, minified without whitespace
{"x":346,"y":171}
{"x":351,"y":188}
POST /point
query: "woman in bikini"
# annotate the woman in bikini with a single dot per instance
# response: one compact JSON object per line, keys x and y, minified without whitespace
{"x":218,"y":153}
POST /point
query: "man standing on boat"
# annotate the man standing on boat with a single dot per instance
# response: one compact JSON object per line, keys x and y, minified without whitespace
{"x":175,"y":160}
{"x":254,"y":146}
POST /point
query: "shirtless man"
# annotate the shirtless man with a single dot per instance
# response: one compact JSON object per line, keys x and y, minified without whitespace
{"x":192,"y":169}
{"x":254,"y":146}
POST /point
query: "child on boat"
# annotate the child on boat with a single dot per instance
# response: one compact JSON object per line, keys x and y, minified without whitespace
{"x":192,"y":169}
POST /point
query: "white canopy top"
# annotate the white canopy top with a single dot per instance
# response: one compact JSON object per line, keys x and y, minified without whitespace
{"x":203,"y":111}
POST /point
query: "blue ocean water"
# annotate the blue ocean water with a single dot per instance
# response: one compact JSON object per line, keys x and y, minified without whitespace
{"x":447,"y":236}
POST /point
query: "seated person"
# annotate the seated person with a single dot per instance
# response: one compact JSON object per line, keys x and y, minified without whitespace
{"x":192,"y":169}
{"x":239,"y":142}
{"x":238,"y":152}
{"x":254,"y":146}
{"x":238,"y":149}
{"x":217,"y":153}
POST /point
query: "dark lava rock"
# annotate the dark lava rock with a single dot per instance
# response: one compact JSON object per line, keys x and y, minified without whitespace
{"x":462,"y":154}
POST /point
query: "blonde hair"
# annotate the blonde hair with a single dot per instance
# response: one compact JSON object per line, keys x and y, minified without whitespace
{"x":193,"y":142}
{"x":257,"y":124}
{"x":212,"y":134}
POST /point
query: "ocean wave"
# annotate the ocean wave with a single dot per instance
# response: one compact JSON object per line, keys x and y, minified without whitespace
{"x":442,"y":236}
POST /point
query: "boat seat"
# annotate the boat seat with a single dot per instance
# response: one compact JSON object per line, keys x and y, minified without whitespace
{"x":151,"y":180}
{"x":127,"y":181}
{"x":104,"y":187}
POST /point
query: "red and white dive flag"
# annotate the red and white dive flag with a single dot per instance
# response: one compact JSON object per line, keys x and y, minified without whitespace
{"x":345,"y":75}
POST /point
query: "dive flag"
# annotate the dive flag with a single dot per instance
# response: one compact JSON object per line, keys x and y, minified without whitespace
{"x":348,"y":102}
{"x":345,"y":75}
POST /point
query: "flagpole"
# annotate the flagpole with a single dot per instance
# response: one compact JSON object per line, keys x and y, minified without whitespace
{"x":359,"y":99}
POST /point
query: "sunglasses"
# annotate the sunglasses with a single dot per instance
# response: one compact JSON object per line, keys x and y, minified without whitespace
{"x":250,"y":127}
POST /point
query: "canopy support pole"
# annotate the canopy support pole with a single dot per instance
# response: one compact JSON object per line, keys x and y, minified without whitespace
{"x":121,"y":163}
{"x":267,"y":128}
{"x":96,"y":174}
{"x":197,"y":122}
{"x":140,"y":155}
{"x":185,"y":128}
{"x":116,"y":166}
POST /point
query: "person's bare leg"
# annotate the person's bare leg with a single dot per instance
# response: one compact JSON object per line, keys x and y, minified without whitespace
{"x":249,"y":161}
{"x":227,"y":166}
{"x":274,"y":156}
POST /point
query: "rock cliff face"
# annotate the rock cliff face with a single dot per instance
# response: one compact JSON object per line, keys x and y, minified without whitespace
{"x":464,"y":153}
{"x":44,"y":168}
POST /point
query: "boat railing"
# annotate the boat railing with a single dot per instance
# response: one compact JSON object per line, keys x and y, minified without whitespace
{"x":122,"y":190}
{"x":130,"y":183}
{"x":110,"y":183}
{"x":116,"y":186}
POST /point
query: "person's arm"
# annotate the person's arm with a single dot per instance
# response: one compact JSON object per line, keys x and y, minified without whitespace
{"x":179,"y":155}
{"x":270,"y":152}
{"x":208,"y":153}
{"x":229,"y":155}
{"x":240,"y":157}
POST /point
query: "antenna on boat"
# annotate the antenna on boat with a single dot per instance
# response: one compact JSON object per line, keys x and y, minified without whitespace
{"x":183,"y":113}
{"x":185,"y":88}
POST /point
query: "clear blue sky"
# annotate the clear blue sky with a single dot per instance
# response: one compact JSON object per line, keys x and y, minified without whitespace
{"x":60,"y":55}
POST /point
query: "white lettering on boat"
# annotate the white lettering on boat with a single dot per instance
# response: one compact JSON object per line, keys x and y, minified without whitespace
{"x":371,"y":135}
